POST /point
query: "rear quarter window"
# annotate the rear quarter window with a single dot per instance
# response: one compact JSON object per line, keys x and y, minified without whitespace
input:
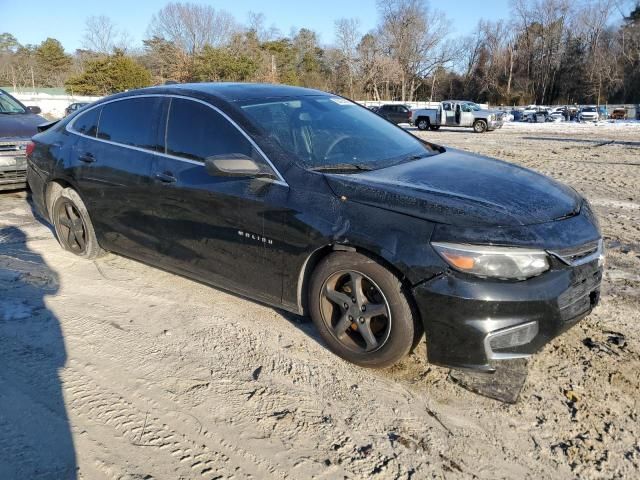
{"x":133,"y":121}
{"x":87,"y":123}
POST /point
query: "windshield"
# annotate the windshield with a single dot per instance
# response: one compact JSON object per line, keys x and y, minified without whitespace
{"x":589,"y":109}
{"x":327,"y":131}
{"x":10,"y":105}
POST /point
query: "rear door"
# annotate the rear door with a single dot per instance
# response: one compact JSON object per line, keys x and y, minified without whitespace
{"x":111,"y":161}
{"x":219,"y":229}
{"x":398,"y":114}
{"x":403,"y":115}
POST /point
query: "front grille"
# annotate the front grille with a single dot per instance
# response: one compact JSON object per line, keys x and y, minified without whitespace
{"x":16,"y":176}
{"x":13,"y":148}
{"x":580,"y":254}
{"x":13,"y":164}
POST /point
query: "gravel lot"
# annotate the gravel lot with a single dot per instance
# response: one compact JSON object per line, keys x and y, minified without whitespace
{"x":113,"y":369}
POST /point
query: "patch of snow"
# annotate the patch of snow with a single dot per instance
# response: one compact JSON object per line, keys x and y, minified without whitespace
{"x":52,"y":105}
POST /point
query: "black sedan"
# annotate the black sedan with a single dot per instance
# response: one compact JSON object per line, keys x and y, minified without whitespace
{"x":308,"y":202}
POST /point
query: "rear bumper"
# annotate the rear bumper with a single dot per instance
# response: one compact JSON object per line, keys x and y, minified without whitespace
{"x":470,"y":322}
{"x":37,"y":183}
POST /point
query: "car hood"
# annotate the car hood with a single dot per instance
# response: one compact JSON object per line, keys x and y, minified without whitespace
{"x":460,"y":188}
{"x":19,"y":126}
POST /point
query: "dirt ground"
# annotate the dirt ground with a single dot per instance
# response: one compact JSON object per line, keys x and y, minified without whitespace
{"x":113,"y":369}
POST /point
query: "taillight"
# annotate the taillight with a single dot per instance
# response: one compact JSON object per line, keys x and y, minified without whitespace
{"x":30,"y":147}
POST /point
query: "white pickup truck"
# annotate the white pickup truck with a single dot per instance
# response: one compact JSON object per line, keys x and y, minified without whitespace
{"x":457,"y":113}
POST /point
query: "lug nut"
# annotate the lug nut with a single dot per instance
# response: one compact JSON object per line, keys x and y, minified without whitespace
{"x":350,"y":318}
{"x":353,"y":299}
{"x":361,"y":319}
{"x":346,"y":305}
{"x":363,"y":308}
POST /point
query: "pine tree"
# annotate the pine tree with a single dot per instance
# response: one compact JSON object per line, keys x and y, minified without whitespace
{"x":52,"y":64}
{"x":112,"y":74}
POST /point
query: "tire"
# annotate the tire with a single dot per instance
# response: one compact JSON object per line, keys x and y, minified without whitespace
{"x":73,"y":226}
{"x":434,"y":127}
{"x":373,"y":337}
{"x":479,"y":126}
{"x":422,"y":123}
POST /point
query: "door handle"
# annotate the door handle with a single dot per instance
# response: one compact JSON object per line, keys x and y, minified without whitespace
{"x":87,"y":158}
{"x":165,"y":177}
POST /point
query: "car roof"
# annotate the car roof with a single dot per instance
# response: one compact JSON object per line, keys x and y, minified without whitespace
{"x":234,"y":92}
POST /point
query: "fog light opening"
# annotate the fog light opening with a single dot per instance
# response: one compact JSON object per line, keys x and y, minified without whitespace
{"x":513,"y":337}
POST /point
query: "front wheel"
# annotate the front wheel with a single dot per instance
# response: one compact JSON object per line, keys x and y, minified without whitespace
{"x":73,"y":226}
{"x":434,"y":127}
{"x":361,"y":311}
{"x":479,"y":126}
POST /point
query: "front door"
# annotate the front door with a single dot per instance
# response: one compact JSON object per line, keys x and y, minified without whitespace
{"x":466,"y":116}
{"x":217,"y":228}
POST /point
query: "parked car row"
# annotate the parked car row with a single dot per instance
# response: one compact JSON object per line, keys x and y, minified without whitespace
{"x":589,"y":113}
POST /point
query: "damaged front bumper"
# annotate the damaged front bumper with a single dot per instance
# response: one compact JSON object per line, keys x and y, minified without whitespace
{"x":471,"y":323}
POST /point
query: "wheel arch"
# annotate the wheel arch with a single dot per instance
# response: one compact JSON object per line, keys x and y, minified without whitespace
{"x":312,"y":261}
{"x":55,"y":185}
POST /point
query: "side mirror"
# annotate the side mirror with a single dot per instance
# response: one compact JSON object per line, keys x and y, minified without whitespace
{"x":35,"y":110}
{"x":235,"y":165}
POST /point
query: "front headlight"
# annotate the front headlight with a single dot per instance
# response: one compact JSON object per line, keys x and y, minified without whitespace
{"x":495,"y":262}
{"x":490,"y":118}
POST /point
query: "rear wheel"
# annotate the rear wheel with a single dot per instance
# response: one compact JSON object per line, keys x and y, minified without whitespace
{"x":73,"y":226}
{"x":479,"y":126}
{"x":361,"y":311}
{"x":434,"y":127}
{"x":422,"y":123}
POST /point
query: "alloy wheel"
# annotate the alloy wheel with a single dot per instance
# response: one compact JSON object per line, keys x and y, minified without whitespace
{"x":355,"y":311}
{"x":71,"y":227}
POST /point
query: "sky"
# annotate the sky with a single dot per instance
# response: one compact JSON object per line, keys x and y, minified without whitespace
{"x":32,"y":21}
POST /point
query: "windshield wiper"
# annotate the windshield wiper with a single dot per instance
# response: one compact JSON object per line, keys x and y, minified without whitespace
{"x":341,"y":167}
{"x":411,"y":158}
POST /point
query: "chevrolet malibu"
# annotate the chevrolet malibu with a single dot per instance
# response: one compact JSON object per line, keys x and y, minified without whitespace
{"x":308,"y":202}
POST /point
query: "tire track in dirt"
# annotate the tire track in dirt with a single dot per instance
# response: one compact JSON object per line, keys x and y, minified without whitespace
{"x":176,"y":453}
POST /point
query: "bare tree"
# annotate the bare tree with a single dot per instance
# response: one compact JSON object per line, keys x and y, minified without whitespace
{"x":256,"y":22}
{"x":347,"y":35}
{"x":544,"y":25}
{"x":592,"y":23}
{"x":191,"y":26}
{"x":100,"y":34}
{"x":378,"y":70}
{"x":414,"y":35}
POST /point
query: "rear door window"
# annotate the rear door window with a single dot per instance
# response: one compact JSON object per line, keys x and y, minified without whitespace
{"x":133,"y":121}
{"x":87,"y":123}
{"x":196,"y":131}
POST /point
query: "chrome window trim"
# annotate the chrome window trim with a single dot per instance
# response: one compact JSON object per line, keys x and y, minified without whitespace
{"x":69,"y":128}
